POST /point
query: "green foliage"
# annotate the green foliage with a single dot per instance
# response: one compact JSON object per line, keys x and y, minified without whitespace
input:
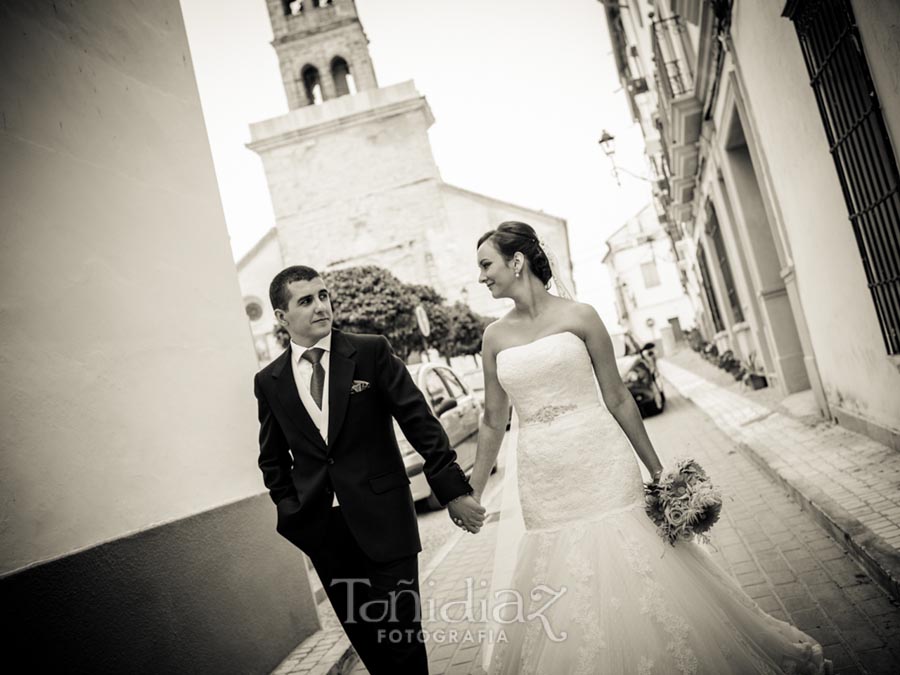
{"x":468,"y":329}
{"x":281,"y":334}
{"x":369,"y":299}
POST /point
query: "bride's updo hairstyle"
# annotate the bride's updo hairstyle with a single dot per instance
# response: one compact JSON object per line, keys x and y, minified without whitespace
{"x":511,"y":237}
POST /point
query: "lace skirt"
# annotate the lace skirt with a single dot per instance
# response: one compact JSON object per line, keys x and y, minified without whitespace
{"x":609,"y":596}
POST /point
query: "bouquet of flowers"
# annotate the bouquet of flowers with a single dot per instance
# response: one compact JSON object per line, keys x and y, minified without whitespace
{"x":683,"y":503}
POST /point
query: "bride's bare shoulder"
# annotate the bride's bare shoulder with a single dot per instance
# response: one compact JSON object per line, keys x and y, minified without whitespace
{"x":497,"y":334}
{"x":494,"y":332}
{"x":582,"y":316}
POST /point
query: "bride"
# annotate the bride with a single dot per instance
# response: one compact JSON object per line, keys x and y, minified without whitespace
{"x":590,"y":565}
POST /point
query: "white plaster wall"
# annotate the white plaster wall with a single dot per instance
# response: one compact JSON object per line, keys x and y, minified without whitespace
{"x":126,"y":359}
{"x":255,"y":272}
{"x":662,"y":302}
{"x":857,"y":374}
{"x":470,"y":215}
{"x":879,"y":26}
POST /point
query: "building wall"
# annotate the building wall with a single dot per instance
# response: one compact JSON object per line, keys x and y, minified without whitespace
{"x":642,"y":302}
{"x":127,"y":365}
{"x":255,"y":272}
{"x":348,"y":42}
{"x":353,"y":182}
{"x":470,"y":215}
{"x":858,"y":377}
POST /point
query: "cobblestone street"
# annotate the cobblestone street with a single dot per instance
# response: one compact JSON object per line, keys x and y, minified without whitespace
{"x":781,"y":557}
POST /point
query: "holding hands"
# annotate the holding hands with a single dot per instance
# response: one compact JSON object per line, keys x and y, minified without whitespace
{"x":467,"y":513}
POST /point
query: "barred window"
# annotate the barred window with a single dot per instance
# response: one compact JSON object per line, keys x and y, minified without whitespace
{"x":715,"y":315}
{"x":859,"y":143}
{"x":715,"y":234}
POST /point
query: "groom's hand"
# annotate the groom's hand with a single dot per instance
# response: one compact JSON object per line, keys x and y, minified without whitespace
{"x":467,"y":513}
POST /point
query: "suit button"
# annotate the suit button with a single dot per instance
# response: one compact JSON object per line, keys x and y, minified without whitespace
{"x":330,"y":460}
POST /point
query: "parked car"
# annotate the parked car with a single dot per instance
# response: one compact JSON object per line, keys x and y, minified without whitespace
{"x":637,"y":368}
{"x":474,"y":379}
{"x":459,"y":410}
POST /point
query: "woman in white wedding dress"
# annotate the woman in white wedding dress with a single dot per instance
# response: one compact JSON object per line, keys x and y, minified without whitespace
{"x":627,"y":608}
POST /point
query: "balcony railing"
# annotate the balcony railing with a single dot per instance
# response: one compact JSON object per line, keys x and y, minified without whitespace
{"x":672,"y":67}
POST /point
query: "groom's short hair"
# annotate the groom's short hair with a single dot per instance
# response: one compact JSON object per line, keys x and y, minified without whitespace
{"x":278,"y":289}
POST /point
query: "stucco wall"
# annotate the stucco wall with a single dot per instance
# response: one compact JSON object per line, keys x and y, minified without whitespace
{"x":470,"y":215}
{"x":126,"y":358}
{"x":255,"y":272}
{"x":857,"y":374}
{"x":660,"y":302}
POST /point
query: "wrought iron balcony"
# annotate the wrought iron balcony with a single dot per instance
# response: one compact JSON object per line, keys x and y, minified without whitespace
{"x":680,"y":110}
{"x":675,"y":75}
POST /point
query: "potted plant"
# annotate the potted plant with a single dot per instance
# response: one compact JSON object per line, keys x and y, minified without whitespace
{"x":727,"y":361}
{"x":736,"y":369}
{"x":695,"y":339}
{"x":755,"y":377}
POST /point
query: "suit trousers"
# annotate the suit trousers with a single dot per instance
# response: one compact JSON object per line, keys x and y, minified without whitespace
{"x":377,"y":603}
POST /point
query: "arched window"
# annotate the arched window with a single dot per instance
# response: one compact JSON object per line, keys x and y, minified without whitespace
{"x":343,"y":80}
{"x":311,"y":85}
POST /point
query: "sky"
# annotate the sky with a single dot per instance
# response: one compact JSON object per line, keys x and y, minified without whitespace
{"x":521,"y":91}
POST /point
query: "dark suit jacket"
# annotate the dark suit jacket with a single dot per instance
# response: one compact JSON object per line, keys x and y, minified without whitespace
{"x":362,"y":461}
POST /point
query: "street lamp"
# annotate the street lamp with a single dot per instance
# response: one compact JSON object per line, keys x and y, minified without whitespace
{"x":607,"y":143}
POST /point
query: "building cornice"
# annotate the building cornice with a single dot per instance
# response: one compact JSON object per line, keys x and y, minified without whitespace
{"x":343,"y":112}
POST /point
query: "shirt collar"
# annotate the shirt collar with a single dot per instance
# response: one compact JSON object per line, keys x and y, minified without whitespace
{"x":297,"y":350}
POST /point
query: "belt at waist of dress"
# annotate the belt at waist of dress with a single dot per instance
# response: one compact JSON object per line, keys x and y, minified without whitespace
{"x":548,"y":413}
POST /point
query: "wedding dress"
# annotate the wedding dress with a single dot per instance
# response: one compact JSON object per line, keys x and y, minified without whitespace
{"x":627,"y":608}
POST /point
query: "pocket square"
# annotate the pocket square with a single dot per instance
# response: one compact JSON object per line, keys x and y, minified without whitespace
{"x":358,"y":386}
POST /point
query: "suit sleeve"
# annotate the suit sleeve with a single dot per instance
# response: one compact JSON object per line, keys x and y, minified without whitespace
{"x":274,"y":460}
{"x":421,"y":428}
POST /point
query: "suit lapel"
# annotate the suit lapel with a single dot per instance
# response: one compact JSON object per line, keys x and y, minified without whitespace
{"x":290,"y":399}
{"x":340,"y":377}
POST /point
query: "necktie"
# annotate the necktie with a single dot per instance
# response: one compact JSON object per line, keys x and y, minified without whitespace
{"x":317,"y":381}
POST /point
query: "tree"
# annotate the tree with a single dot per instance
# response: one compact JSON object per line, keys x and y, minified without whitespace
{"x":468,"y":329}
{"x":370,"y":299}
{"x":281,"y":334}
{"x":438,"y":316}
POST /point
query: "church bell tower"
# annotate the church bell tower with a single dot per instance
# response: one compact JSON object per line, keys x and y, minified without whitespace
{"x":350,"y":169}
{"x":322,"y":50}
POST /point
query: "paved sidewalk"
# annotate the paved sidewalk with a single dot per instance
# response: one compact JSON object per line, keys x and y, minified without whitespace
{"x":850,"y":483}
{"x":773,"y":547}
{"x":325,"y":652}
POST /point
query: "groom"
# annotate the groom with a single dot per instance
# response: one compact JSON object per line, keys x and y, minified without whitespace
{"x":330,"y":460}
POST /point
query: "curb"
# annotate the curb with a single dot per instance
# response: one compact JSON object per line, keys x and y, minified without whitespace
{"x":868,"y":549}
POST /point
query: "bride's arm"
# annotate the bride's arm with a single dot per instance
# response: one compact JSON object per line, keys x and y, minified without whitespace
{"x":492,"y":426}
{"x":615,"y":395}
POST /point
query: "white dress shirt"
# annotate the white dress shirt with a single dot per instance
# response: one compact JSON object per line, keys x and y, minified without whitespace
{"x":303,"y":371}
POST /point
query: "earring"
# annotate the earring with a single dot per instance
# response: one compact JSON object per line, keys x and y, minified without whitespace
{"x":518,"y":274}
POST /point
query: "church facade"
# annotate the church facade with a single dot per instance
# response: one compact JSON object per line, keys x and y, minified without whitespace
{"x":352,"y":177}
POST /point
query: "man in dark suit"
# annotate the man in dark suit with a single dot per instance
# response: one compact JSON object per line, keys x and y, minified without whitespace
{"x":341,"y":492}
